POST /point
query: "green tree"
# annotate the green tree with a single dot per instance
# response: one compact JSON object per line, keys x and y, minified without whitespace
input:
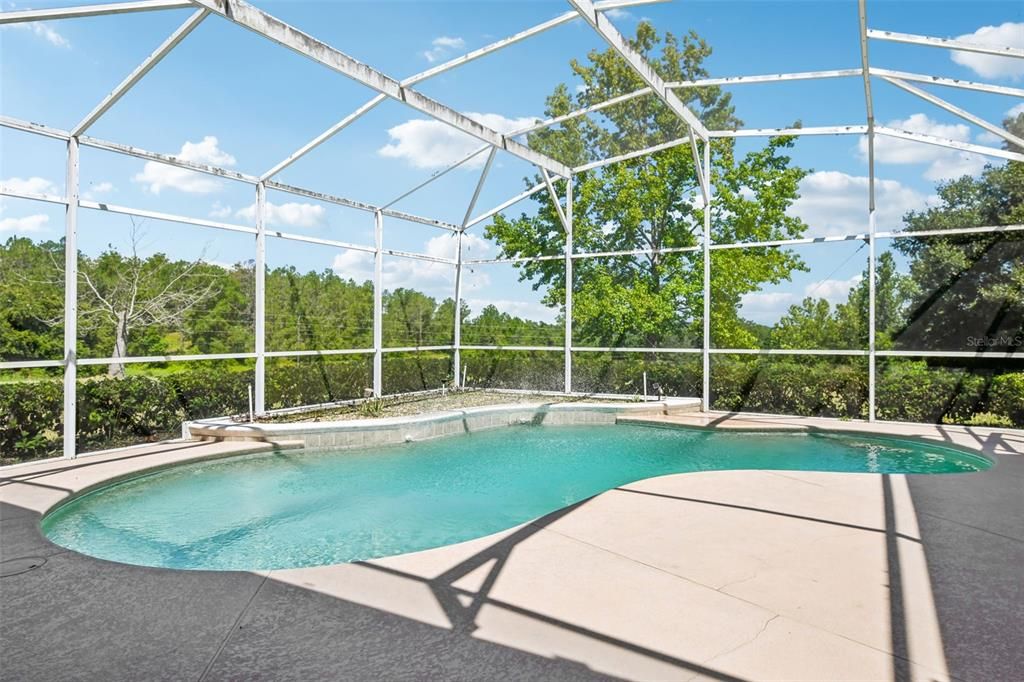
{"x":814,"y":323}
{"x":967,"y":287}
{"x":31,"y":299}
{"x":652,"y":203}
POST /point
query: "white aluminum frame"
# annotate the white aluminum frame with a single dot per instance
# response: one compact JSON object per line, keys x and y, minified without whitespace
{"x":552,"y":172}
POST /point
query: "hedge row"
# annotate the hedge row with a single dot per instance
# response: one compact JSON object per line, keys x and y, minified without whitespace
{"x":138,"y":408}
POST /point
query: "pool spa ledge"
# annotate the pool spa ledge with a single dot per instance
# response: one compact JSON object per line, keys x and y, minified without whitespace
{"x":355,"y":433}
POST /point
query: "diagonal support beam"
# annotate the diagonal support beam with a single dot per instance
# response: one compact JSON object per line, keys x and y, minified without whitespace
{"x":26,"y":15}
{"x":441,"y":68}
{"x":288,"y":36}
{"x":324,"y":136}
{"x":141,"y":70}
{"x":705,"y":190}
{"x":948,"y":43}
{"x":441,"y":173}
{"x":479,"y":187}
{"x":640,"y":65}
{"x":949,"y":144}
{"x":556,"y":201}
{"x":953,"y":109}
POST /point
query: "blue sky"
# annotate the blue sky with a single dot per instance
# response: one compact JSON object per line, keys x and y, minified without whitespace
{"x":228,"y":97}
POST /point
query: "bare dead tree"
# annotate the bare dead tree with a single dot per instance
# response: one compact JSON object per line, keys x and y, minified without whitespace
{"x":138,"y":292}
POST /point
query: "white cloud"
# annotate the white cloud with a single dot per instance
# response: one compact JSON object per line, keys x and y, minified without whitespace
{"x":219,"y":210}
{"x":834,"y":203}
{"x":993,"y":139}
{"x":157,"y":176}
{"x":441,"y":47}
{"x":435,"y":279}
{"x":955,"y":165}
{"x":528,"y":310}
{"x":98,"y":189}
{"x":765,"y":308}
{"x":32,"y":223}
{"x":33,"y":185}
{"x":618,"y":13}
{"x":768,"y":307}
{"x":292,"y":214}
{"x":832,"y":290}
{"x":943,"y":163}
{"x":431,"y":144}
{"x":1009,"y":34}
{"x":438,"y":279}
{"x":43,"y":30}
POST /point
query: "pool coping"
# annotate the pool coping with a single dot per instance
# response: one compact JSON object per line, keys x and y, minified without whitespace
{"x":869,"y":429}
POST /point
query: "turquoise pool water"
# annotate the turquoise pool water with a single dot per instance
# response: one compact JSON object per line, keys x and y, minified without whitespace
{"x":297,"y":508}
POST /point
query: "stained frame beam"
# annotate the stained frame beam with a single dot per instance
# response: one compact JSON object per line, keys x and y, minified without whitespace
{"x":28,"y":15}
{"x":286,"y":35}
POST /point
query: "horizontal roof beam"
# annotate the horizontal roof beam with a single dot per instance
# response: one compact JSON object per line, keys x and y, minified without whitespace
{"x":948,"y":43}
{"x":359,"y":206}
{"x":170,"y":160}
{"x":619,"y":44}
{"x":768,"y":78}
{"x":601,"y":6}
{"x":949,"y":82}
{"x":632,"y":155}
{"x":128,"y":150}
{"x":25,"y":15}
{"x":859,"y":129}
{"x":288,"y":36}
{"x":675,"y":85}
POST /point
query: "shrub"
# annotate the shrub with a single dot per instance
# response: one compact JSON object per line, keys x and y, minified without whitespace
{"x":537,"y":371}
{"x":820,"y":387}
{"x":911,"y":390}
{"x":114,"y":412}
{"x":416,"y":371}
{"x":983,"y":419}
{"x":1006,"y":397}
{"x":292,"y":383}
{"x":31,"y":420}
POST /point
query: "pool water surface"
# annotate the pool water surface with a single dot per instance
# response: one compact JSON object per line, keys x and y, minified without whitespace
{"x":310,"y":508}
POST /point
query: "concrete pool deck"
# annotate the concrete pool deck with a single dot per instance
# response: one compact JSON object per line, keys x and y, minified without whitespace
{"x":735,"y":575}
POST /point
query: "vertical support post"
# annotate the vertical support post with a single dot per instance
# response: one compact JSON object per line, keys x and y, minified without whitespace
{"x":457,"y":339}
{"x":869,"y":103}
{"x":568,"y":282}
{"x":872,"y":362}
{"x":457,"y":357}
{"x":260,"y":274}
{"x":378,"y":304}
{"x":71,"y":301}
{"x":706,"y":335}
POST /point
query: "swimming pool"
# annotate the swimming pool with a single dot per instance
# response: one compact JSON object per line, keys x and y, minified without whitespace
{"x":303,"y":508}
